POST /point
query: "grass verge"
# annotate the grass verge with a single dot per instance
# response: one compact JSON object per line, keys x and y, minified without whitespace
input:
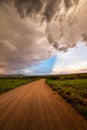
{"x":11,"y":83}
{"x":73,"y":91}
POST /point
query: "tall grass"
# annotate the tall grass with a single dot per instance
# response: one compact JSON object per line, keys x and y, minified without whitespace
{"x":73,"y":91}
{"x":10,"y":83}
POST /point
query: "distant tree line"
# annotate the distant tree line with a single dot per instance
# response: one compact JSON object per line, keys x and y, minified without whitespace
{"x":53,"y":77}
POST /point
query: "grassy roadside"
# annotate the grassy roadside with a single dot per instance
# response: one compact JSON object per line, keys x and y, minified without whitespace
{"x":11,"y":83}
{"x":73,"y":91}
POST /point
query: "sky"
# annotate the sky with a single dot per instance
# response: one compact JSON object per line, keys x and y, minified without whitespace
{"x":39,"y":37}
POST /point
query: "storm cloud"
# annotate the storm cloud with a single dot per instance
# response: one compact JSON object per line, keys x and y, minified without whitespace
{"x":32,"y":30}
{"x":22,"y":41}
{"x":46,"y":8}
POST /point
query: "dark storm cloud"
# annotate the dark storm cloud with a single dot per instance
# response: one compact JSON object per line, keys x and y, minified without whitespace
{"x":48,"y":10}
{"x":31,"y":29}
{"x":28,"y":7}
{"x":34,"y":7}
{"x":51,"y":9}
{"x":68,"y":3}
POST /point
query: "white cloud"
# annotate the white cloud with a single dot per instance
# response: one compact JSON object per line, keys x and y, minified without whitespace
{"x":73,"y":61}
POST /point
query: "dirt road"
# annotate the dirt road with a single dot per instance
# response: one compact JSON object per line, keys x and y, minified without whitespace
{"x":36,"y":107}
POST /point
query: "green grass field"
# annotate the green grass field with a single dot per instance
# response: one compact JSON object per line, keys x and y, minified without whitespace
{"x":73,"y":91}
{"x":10,"y":83}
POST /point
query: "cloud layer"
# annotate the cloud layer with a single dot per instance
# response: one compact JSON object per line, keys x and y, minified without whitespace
{"x":72,"y":61}
{"x":31,"y":30}
{"x":22,"y":41}
{"x":46,"y":8}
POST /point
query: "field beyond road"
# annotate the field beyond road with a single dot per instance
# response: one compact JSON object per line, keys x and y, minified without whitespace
{"x":74,"y":91}
{"x":8,"y":83}
{"x":35,"y":106}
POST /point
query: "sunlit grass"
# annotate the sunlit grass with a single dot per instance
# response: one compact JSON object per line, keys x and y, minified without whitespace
{"x":73,"y":91}
{"x":10,"y":83}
